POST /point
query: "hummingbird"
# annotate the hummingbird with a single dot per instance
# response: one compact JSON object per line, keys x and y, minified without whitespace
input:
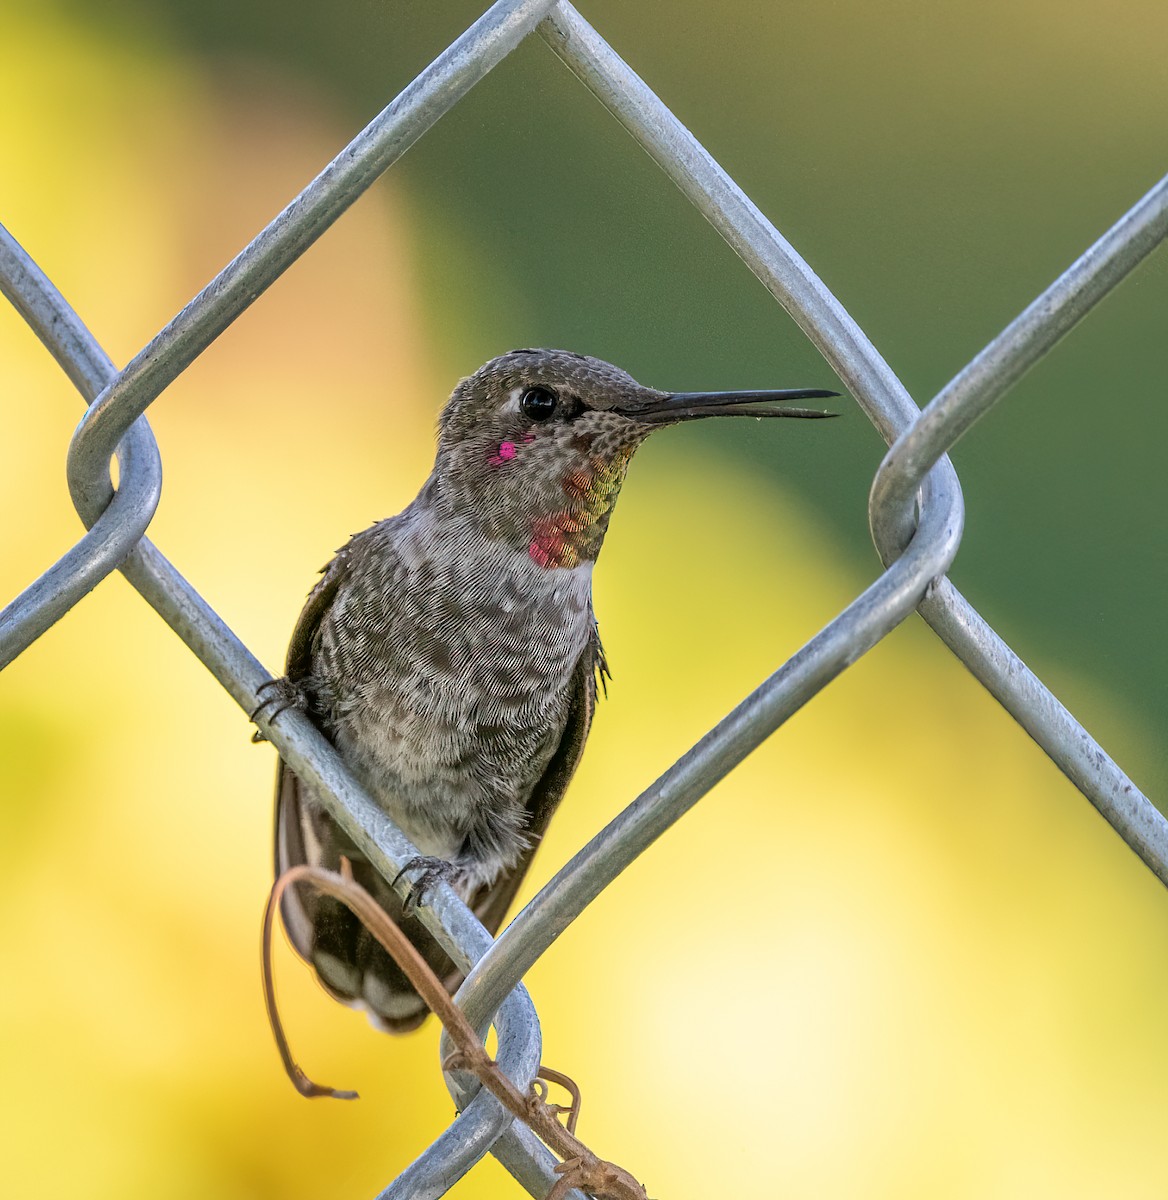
{"x":451,"y":653}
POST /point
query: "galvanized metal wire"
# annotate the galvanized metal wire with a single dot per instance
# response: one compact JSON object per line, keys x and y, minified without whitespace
{"x":916,"y":515}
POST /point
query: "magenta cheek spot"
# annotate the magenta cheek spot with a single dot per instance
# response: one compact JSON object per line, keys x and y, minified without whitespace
{"x":505,"y":453}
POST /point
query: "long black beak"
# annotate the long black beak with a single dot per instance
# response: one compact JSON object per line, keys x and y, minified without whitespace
{"x":689,"y":406}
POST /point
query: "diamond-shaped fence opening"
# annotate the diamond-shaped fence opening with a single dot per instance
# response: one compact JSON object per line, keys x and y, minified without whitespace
{"x":916,"y":516}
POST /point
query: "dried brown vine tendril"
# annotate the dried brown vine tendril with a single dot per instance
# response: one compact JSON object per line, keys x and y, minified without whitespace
{"x":578,"y":1167}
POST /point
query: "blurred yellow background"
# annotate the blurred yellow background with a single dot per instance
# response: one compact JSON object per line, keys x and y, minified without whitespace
{"x":895,"y":953}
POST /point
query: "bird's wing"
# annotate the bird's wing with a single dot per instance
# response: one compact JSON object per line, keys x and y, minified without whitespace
{"x":299,"y":662}
{"x":297,"y":832}
{"x":491,"y":903}
{"x":348,"y":960}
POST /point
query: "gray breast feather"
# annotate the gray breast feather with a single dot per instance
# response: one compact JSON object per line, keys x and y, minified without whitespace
{"x":444,"y":681}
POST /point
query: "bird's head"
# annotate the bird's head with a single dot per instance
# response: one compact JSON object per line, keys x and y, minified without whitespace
{"x":536,"y":444}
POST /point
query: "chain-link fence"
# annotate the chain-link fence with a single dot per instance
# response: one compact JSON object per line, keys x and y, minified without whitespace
{"x":916,"y":514}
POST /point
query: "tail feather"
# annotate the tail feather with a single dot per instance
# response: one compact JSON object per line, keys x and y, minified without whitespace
{"x":349,"y":962}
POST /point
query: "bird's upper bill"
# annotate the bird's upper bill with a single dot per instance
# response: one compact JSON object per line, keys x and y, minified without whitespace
{"x":665,"y":408}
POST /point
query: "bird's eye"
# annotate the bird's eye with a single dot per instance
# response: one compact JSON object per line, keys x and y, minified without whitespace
{"x":537,"y":403}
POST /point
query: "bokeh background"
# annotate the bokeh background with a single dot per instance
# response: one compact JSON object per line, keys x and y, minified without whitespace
{"x":893,"y":954}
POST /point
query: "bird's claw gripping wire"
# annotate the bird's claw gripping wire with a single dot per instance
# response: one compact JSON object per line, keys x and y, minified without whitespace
{"x":433,"y":870}
{"x":276,"y":696}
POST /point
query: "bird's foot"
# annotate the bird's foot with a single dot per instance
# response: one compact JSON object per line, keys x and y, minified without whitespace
{"x":276,"y":696}
{"x":433,"y":870}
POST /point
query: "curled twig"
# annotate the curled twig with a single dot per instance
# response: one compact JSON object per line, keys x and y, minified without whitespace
{"x":569,"y":1085}
{"x":578,"y":1167}
{"x":300,"y":1081}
